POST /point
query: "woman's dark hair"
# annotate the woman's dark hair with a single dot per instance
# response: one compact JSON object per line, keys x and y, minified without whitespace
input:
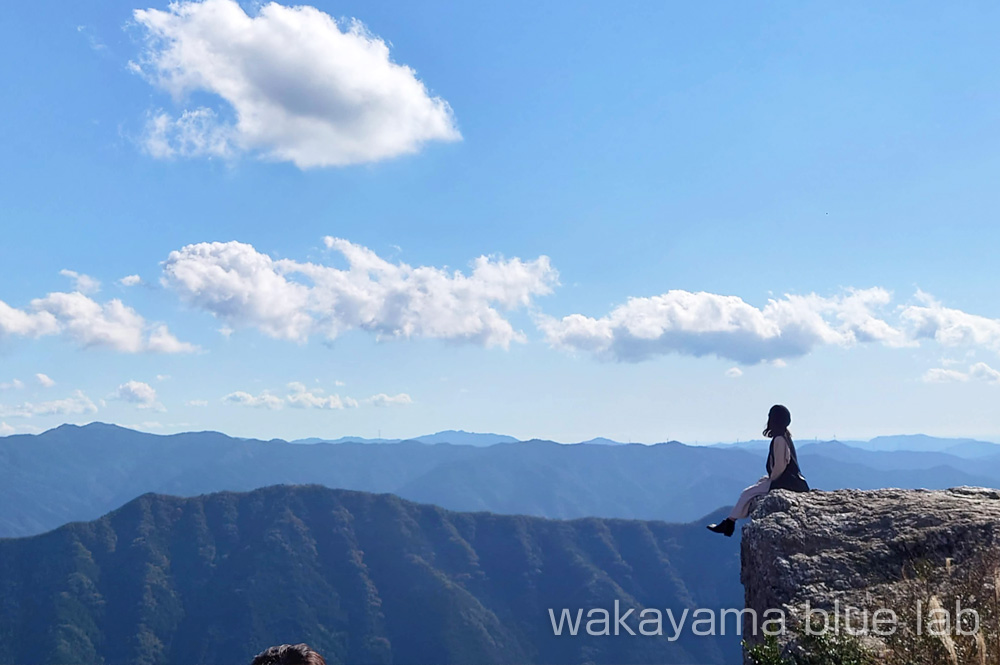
{"x":288,"y":654}
{"x":778,"y":420}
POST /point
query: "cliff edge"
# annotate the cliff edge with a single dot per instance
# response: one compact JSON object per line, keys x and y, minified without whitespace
{"x":835,"y":556}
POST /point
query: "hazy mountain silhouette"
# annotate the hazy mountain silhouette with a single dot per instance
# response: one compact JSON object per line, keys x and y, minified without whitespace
{"x":363,"y":578}
{"x":967,"y":448}
{"x":457,"y":437}
{"x":79,"y":473}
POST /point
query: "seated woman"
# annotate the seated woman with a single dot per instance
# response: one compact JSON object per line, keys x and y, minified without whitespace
{"x":782,"y":469}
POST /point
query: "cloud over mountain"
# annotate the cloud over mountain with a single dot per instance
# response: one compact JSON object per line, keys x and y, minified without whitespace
{"x":138,"y":393}
{"x":950,"y":327}
{"x":291,"y":300}
{"x":700,"y":324}
{"x":977,"y":372}
{"x":78,"y":403}
{"x":294,"y":84}
{"x":299,"y":396}
{"x":83,"y":320}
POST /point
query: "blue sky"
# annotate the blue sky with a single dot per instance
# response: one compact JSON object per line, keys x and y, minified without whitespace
{"x":641,"y":180}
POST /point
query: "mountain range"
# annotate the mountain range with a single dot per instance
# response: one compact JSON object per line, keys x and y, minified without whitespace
{"x":74,"y":473}
{"x":263,"y":551}
{"x":961,"y":447}
{"x":363,"y":578}
{"x":454,"y":436}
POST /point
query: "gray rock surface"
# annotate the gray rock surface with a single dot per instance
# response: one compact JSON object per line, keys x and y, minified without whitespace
{"x":852,"y":547}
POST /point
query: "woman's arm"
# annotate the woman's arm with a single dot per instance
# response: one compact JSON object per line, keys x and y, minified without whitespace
{"x":781,"y":456}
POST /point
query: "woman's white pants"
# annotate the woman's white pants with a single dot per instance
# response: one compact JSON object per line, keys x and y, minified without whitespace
{"x":742,"y":507}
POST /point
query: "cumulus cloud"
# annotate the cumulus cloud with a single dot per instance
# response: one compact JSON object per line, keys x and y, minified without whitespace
{"x":264,"y":400}
{"x":82,"y":283}
{"x":90,"y":324}
{"x":130,"y":280}
{"x":984,"y":372}
{"x":76,"y":404}
{"x":734,"y":372}
{"x":5,"y":429}
{"x":301,"y":397}
{"x":44,"y":380}
{"x":161,"y":340}
{"x":197,"y":402}
{"x":950,"y":327}
{"x":389,"y":400}
{"x":977,"y":372}
{"x":700,"y":324}
{"x":291,"y":300}
{"x":292,"y":84}
{"x":14,"y":384}
{"x":142,"y":395}
{"x":942,"y":375}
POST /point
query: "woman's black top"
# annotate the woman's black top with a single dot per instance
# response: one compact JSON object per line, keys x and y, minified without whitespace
{"x":791,"y":478}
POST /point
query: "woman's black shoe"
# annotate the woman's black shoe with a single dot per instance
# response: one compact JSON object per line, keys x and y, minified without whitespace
{"x":725,"y":527}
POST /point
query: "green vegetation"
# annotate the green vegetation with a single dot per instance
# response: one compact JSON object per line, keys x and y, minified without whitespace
{"x":364,"y":578}
{"x":816,"y":648}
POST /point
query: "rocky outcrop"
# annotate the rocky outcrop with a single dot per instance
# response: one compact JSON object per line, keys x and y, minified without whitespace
{"x":860,"y":549}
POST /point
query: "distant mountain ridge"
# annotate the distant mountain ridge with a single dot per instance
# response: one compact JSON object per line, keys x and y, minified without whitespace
{"x":962,"y":447}
{"x":74,"y":473}
{"x":363,"y":578}
{"x":452,"y":436}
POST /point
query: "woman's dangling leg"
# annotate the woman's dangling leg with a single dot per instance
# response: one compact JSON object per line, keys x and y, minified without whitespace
{"x":742,"y":507}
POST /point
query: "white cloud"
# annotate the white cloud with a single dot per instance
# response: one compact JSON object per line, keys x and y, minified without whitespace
{"x":263,"y":400}
{"x":195,"y":133}
{"x":941,"y":375}
{"x":702,"y":323}
{"x":978,"y":372}
{"x":950,"y":327}
{"x":734,"y":372}
{"x":984,"y":372}
{"x":14,"y":384}
{"x":27,"y":324}
{"x":141,"y":394}
{"x":303,"y":398}
{"x":82,"y":283}
{"x":7,"y":430}
{"x":197,"y":402}
{"x":130,"y":280}
{"x":161,"y":340}
{"x":88,"y":323}
{"x":389,"y":400}
{"x":162,"y":377}
{"x":290,"y":300}
{"x":78,"y":403}
{"x":44,"y":380}
{"x":292,"y":85}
